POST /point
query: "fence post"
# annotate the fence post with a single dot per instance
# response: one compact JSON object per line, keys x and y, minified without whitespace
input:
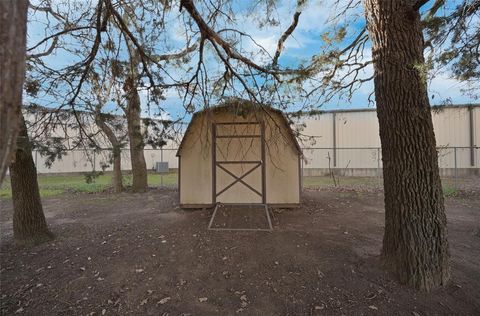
{"x":455,"y":164}
{"x":334,"y":139}
{"x":94,"y":160}
{"x":378,"y":162}
{"x":161,"y":159}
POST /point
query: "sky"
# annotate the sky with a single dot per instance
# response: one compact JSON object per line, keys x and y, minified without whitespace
{"x":299,"y":48}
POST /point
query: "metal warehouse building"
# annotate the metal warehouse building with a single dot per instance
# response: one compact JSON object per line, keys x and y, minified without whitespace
{"x":348,"y":140}
{"x":351,"y":139}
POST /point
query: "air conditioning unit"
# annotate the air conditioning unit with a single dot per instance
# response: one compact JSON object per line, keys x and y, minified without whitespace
{"x":161,"y":167}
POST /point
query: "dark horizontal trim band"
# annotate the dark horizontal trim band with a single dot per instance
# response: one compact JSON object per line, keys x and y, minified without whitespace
{"x":237,"y":123}
{"x":238,"y":161}
{"x":238,"y":136}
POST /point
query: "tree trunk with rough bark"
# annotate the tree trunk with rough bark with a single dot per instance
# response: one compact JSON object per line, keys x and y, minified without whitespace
{"x":139,"y":166}
{"x":29,"y":224}
{"x":415,"y":242}
{"x":13,"y":32}
{"x":117,"y":182}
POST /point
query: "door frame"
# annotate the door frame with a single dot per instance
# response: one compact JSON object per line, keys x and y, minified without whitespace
{"x":258,"y":163}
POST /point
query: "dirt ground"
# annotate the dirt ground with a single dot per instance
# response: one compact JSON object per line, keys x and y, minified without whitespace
{"x":140,"y":254}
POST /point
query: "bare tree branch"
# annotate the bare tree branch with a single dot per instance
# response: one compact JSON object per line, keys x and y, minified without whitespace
{"x":60,"y":33}
{"x":47,"y":52}
{"x":419,"y":4}
{"x":284,"y":37}
{"x":213,"y":37}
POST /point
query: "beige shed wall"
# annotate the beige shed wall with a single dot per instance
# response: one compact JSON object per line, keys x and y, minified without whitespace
{"x":282,"y":164}
{"x":283,"y":183}
{"x":196,"y":165}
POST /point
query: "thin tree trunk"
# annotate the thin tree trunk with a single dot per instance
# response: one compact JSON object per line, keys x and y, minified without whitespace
{"x":117,"y":180}
{"x":415,"y":242}
{"x":139,"y":166}
{"x":117,"y":153}
{"x":132,"y":112}
{"x":13,"y":31}
{"x":29,"y":224}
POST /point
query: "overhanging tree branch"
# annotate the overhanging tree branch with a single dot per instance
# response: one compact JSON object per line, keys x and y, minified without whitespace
{"x":59,"y":34}
{"x":213,"y":37}
{"x":284,"y":37}
{"x":419,"y":4}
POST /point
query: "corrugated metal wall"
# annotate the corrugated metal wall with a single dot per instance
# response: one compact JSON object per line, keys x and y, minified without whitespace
{"x":360,"y":128}
{"x":349,"y":139}
{"x":345,"y":139}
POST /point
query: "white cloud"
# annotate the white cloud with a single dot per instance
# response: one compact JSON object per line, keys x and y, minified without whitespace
{"x":442,"y":88}
{"x":312,"y":21}
{"x":269,"y":43}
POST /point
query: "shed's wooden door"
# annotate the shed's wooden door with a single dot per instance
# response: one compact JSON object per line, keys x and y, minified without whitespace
{"x":238,"y":163}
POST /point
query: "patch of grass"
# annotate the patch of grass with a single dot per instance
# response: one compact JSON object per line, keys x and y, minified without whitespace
{"x":449,"y":191}
{"x":52,"y":185}
{"x":169,"y":179}
{"x":5,"y":193}
{"x":45,"y":192}
{"x":450,"y":187}
{"x":155,"y":179}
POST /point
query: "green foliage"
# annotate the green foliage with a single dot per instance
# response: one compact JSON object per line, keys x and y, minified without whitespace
{"x":51,"y":149}
{"x":91,"y":176}
{"x":118,"y":68}
{"x":454,"y":38}
{"x":158,"y":132}
{"x":334,"y":36}
{"x":109,"y":45}
{"x":32,"y":87}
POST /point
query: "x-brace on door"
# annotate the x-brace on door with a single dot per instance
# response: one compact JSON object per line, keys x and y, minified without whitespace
{"x":238,"y":157}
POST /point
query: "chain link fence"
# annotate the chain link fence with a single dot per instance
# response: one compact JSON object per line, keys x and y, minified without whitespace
{"x":457,"y":164}
{"x":459,"y":167}
{"x":101,"y":160}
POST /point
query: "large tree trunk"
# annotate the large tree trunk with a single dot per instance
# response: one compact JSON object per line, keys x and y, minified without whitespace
{"x":13,"y":31}
{"x":139,"y":167}
{"x":117,"y":153}
{"x":29,"y":224}
{"x":415,"y":241}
